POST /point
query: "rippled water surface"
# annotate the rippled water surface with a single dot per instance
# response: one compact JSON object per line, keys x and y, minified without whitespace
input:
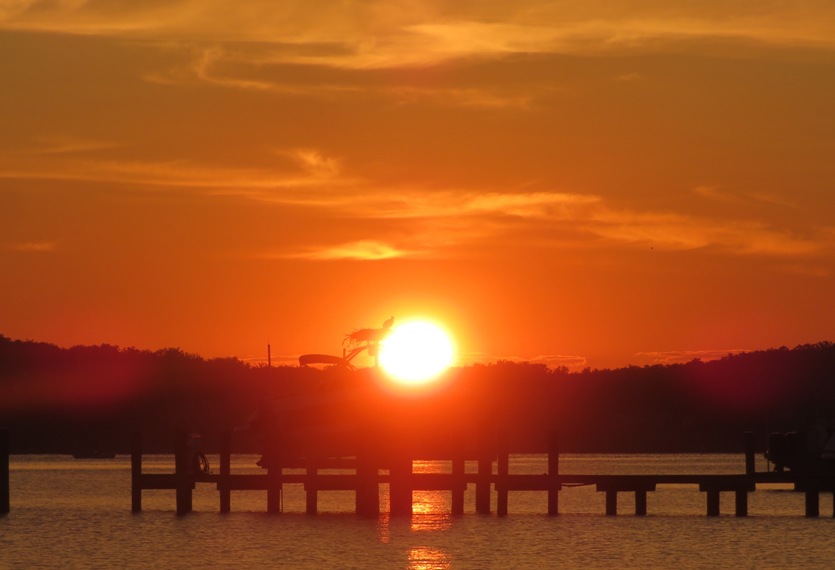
{"x":70,"y":513}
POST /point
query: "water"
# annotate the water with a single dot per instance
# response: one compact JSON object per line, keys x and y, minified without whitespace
{"x":70,"y":513}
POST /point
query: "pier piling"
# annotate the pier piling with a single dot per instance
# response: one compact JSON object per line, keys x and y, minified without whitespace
{"x":274,"y":488}
{"x":712,"y":503}
{"x":311,"y":496}
{"x":611,"y":502}
{"x":750,"y":465}
{"x":554,"y":472}
{"x":182,"y":470}
{"x":812,"y":502}
{"x":741,"y":503}
{"x":368,"y":486}
{"x":400,"y":487}
{"x":482,"y":485}
{"x":5,"y":479}
{"x":459,"y":484}
{"x":503,"y":472}
{"x":223,"y":484}
{"x":641,"y":503}
{"x":740,"y":485}
{"x":136,"y":472}
{"x":275,"y":454}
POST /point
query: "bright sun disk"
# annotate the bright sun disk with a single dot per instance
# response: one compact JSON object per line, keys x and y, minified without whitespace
{"x":416,"y":352}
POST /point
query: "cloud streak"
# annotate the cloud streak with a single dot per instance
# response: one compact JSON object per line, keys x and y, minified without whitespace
{"x":671,"y":231}
{"x":363,"y":250}
{"x":256,"y":182}
{"x":590,"y":215}
{"x":63,"y":144}
{"x":389,"y":34}
{"x":32,"y":246}
{"x":423,"y":222}
{"x":684,"y":356}
{"x":573,"y":363}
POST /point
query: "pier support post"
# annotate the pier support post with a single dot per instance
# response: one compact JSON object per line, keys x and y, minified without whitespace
{"x":750,"y":465}
{"x":739,"y":484}
{"x":310,"y":489}
{"x":641,"y":503}
{"x":223,"y":484}
{"x":5,"y":485}
{"x":637,"y":486}
{"x":276,"y":454}
{"x":482,"y":486}
{"x":181,"y":469}
{"x":136,"y":472}
{"x":368,"y":486}
{"x":486,"y":452}
{"x":554,"y":472}
{"x":400,"y":487}
{"x":812,"y":502}
{"x":274,"y":487}
{"x":611,"y":502}
{"x":712,"y":503}
{"x":741,"y":503}
{"x":459,"y":484}
{"x":503,"y":472}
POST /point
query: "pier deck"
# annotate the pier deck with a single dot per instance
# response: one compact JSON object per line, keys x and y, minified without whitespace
{"x":364,"y":476}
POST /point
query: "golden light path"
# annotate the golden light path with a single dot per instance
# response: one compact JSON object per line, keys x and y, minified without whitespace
{"x":416,"y":351}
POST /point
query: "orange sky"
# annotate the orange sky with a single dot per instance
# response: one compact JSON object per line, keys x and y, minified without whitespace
{"x":591,"y":183}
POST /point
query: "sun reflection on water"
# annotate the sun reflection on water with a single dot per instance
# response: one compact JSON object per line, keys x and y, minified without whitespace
{"x":431,"y":510}
{"x":431,"y":513}
{"x":426,"y":558}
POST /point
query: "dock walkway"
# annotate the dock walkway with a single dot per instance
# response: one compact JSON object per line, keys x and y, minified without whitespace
{"x":365,"y":475}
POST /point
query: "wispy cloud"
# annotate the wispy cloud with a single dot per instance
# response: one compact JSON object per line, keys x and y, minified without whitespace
{"x":418,"y":203}
{"x":259,"y":69}
{"x":386,"y":33}
{"x":232,"y":67}
{"x":715,"y":193}
{"x":58,"y":144}
{"x":176,"y":173}
{"x":203,"y":68}
{"x":591,"y":216}
{"x":810,"y":269}
{"x":684,"y":356}
{"x":421,"y":221}
{"x":364,"y":250}
{"x":719,"y":194}
{"x":33,"y":246}
{"x":572,"y":362}
{"x":674,"y":231}
{"x":315,"y":162}
{"x":481,"y":98}
{"x":773,"y":199}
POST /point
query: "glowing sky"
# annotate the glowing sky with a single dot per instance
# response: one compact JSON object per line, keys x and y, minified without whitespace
{"x":588,"y":183}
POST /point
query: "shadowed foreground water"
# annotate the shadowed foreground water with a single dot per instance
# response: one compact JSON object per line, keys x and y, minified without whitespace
{"x":76,"y":514}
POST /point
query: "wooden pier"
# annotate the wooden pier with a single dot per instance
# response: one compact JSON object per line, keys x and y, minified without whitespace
{"x":366,"y":473}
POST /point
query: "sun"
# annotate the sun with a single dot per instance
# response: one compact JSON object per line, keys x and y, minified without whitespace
{"x":416,"y":352}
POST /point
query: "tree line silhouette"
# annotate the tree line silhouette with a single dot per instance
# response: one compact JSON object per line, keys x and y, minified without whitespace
{"x":60,"y":400}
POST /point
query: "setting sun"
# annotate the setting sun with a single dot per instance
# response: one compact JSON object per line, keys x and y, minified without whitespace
{"x":416,"y":352}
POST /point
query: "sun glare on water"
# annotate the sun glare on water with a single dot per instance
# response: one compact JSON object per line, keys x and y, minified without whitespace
{"x":416,"y":352}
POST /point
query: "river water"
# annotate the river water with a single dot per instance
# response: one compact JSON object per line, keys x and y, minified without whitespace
{"x":69,"y":513}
